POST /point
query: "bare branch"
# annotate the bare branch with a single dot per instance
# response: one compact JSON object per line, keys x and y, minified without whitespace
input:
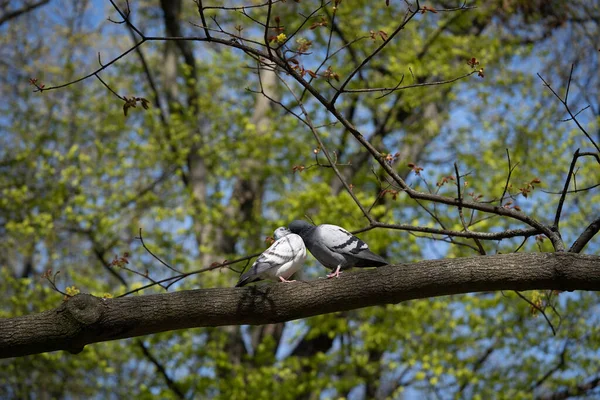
{"x":23,"y":10}
{"x":539,"y":309}
{"x":586,"y":236}
{"x":398,"y":87}
{"x":332,"y":163}
{"x":306,"y":19}
{"x":460,"y":211}
{"x":409,"y":17}
{"x":85,"y":319}
{"x":585,"y":189}
{"x":95,"y":73}
{"x":511,"y":233}
{"x":510,"y":171}
{"x":126,"y":18}
{"x":266,"y":33}
{"x":141,"y":239}
{"x":564,"y":103}
{"x":565,"y":189}
{"x":244,"y":7}
{"x":497,"y":210}
{"x":109,"y":88}
{"x":186,"y":274}
{"x":202,"y":18}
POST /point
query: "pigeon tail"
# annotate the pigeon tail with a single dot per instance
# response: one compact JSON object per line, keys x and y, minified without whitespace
{"x":253,"y":274}
{"x":370,"y":259}
{"x":244,"y":280}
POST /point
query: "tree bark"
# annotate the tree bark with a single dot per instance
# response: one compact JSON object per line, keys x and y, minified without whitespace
{"x":85,"y":319}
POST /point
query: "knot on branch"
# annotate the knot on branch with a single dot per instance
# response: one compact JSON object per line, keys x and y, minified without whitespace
{"x":85,"y":308}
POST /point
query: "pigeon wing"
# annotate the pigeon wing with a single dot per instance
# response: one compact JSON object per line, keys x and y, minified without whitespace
{"x":268,"y":262}
{"x":339,"y":240}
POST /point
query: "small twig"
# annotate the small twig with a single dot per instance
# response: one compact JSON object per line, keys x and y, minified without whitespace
{"x":569,"y":84}
{"x":266,"y":34}
{"x":330,"y":35}
{"x":270,"y":98}
{"x":141,"y":239}
{"x":585,"y":189}
{"x":521,"y":245}
{"x":154,"y":88}
{"x":511,"y":233}
{"x":52,"y":280}
{"x":108,"y":87}
{"x":461,"y":214}
{"x":535,"y":306}
{"x":184,"y":275}
{"x":586,"y":236}
{"x":243,"y":7}
{"x":575,"y":115}
{"x":306,"y":19}
{"x":201,"y":12}
{"x":174,"y":281}
{"x":398,"y":87}
{"x":409,"y":16}
{"x":317,"y":136}
{"x":564,"y":103}
{"x":126,"y":18}
{"x":94,"y":73}
{"x":565,"y":189}
{"x":510,"y":171}
{"x":445,"y":240}
{"x":145,"y":276}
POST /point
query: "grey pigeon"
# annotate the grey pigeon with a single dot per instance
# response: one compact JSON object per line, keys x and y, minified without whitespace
{"x":335,"y":247}
{"x":280,"y":261}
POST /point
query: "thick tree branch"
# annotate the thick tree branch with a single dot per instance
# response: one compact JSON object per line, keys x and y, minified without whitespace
{"x":86,"y":319}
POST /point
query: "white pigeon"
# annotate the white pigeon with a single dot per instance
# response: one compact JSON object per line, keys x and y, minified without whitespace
{"x":335,"y":247}
{"x":280,"y":261}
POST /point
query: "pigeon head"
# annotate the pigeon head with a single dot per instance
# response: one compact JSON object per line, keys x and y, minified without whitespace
{"x":281,"y":232}
{"x":299,"y":227}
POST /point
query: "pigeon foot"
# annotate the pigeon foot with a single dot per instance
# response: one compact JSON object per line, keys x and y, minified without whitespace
{"x":335,"y":274}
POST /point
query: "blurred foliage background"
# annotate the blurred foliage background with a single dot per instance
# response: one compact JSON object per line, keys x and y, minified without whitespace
{"x":207,"y":173}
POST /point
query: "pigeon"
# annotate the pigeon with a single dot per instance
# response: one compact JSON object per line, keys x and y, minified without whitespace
{"x":280,"y":261}
{"x":335,"y":247}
